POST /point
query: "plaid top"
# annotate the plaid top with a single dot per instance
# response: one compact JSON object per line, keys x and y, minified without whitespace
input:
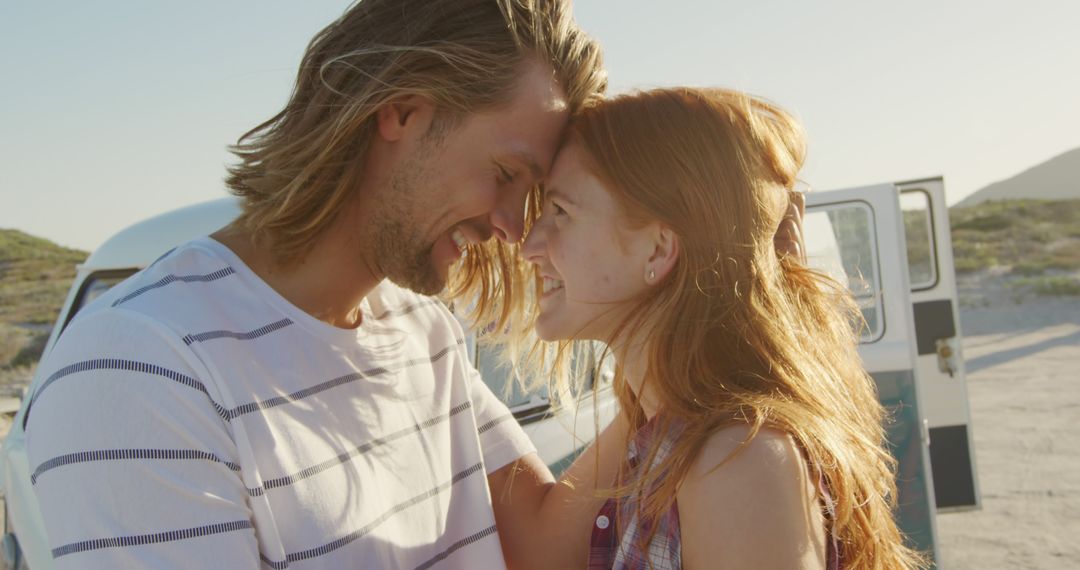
{"x":617,"y":546}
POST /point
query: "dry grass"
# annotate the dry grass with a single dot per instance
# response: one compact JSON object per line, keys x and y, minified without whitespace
{"x":1024,"y":237}
{"x":35,"y":275}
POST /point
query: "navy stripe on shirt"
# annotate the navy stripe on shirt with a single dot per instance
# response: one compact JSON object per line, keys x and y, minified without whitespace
{"x":366,"y":529}
{"x":335,"y":382}
{"x":155,"y":538}
{"x":189,"y":454}
{"x":170,"y":279}
{"x":350,"y":455}
{"x":128,"y":366}
{"x":228,"y":414}
{"x":250,"y":335}
{"x":123,"y":454}
{"x":457,"y":546}
{"x":494,"y":423}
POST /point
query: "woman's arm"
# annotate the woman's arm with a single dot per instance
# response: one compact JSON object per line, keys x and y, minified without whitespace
{"x":544,"y":524}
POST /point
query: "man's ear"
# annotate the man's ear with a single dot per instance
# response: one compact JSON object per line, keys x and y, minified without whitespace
{"x":405,"y":117}
{"x":664,"y":255}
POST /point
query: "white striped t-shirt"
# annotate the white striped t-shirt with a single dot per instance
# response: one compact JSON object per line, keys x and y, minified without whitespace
{"x":194,"y":418}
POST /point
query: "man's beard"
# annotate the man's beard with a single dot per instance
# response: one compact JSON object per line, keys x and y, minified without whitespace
{"x":402,"y":252}
{"x":403,"y":256}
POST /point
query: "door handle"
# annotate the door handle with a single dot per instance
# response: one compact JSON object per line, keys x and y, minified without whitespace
{"x":946,"y":355}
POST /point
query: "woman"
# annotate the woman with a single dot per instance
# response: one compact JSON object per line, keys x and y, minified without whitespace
{"x":759,"y":441}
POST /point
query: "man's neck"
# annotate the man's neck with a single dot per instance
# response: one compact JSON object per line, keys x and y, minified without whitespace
{"x":328,"y":281}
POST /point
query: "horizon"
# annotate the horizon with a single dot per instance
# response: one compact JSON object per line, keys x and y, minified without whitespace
{"x":887,"y":93}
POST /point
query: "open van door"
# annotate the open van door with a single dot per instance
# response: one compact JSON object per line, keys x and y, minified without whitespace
{"x":937,"y":332}
{"x":857,"y":236}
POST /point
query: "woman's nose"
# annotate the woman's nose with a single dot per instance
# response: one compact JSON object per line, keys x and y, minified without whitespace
{"x":533,"y":248}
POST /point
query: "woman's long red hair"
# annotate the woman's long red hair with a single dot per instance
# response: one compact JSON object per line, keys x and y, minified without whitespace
{"x":736,"y":334}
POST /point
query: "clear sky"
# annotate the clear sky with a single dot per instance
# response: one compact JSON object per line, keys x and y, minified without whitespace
{"x":114,"y":111}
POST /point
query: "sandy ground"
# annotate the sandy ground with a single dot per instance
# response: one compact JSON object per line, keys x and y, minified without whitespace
{"x":1023,"y":365}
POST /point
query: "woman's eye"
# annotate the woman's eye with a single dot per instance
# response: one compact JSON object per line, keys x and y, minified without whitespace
{"x":505,"y":175}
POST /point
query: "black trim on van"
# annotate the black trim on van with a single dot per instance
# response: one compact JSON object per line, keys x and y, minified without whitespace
{"x":77,"y":303}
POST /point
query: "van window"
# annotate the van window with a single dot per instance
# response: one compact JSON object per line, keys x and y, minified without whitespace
{"x":586,"y":367}
{"x":94,"y":286}
{"x":919,"y":234}
{"x":497,"y":375}
{"x":840,"y":243}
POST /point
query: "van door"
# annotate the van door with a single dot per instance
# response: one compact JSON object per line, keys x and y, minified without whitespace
{"x":857,"y":236}
{"x":940,"y":364}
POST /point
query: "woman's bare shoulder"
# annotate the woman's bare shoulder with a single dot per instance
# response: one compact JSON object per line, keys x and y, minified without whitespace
{"x":767,"y":452}
{"x":750,"y":505}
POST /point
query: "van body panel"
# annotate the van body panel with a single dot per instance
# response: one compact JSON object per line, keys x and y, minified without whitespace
{"x":940,"y":362}
{"x":867,"y":234}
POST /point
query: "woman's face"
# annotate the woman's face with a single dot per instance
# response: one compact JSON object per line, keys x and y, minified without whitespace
{"x":593,"y":265}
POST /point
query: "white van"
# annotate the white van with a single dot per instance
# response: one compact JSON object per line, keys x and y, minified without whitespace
{"x":895,"y":251}
{"x":911,"y":346}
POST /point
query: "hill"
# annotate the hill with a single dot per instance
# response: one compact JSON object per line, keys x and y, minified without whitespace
{"x":1021,"y":237}
{"x":1055,"y":179}
{"x":1006,"y":251}
{"x":35,"y":275}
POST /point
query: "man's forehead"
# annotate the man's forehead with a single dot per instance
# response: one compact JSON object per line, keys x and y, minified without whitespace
{"x":532,"y":121}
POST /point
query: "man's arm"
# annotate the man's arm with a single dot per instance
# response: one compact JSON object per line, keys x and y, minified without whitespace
{"x":547,"y":524}
{"x":133,"y":466}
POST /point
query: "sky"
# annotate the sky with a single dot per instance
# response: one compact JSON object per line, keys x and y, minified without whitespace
{"x":111,"y":112}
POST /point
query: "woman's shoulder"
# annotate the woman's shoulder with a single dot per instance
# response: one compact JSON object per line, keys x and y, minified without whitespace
{"x":761,"y":466}
{"x":732,"y":452}
{"x":756,"y":492}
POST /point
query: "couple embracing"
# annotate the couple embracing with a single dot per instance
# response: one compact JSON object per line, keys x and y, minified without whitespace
{"x":287,"y":393}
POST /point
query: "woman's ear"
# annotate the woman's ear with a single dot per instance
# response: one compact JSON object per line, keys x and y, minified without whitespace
{"x":664,"y":255}
{"x":405,"y":117}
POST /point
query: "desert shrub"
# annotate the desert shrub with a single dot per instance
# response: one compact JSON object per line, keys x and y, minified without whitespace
{"x":1058,"y":286}
{"x":12,"y":341}
{"x":1029,"y":269}
{"x":986,"y":223}
{"x":31,"y":352}
{"x":1049,"y":286}
{"x":1031,"y":236}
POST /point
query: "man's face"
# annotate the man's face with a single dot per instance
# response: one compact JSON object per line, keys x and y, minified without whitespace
{"x":466,"y":182}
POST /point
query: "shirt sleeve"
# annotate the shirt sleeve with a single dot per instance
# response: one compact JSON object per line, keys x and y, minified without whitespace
{"x":132,"y":460}
{"x":501,"y":438}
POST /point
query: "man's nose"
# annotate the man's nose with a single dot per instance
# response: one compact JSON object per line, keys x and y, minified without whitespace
{"x":508,"y":219}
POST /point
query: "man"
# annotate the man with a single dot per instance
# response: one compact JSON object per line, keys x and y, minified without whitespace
{"x":282,"y":393}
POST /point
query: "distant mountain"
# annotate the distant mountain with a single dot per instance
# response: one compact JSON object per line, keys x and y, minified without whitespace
{"x":1055,"y":179}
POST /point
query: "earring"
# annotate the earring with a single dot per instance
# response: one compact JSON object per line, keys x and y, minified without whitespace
{"x":652,"y":274}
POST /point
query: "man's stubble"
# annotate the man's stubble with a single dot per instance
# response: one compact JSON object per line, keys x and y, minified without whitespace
{"x":402,"y":252}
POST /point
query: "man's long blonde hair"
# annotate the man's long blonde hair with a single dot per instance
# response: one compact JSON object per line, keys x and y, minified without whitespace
{"x":297,"y":169}
{"x":735,"y":333}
